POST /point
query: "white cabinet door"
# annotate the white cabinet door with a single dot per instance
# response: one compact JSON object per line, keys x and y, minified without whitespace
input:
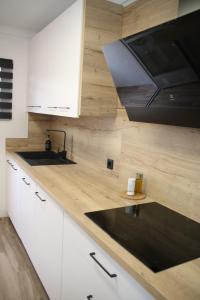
{"x":55,"y":64}
{"x":39,"y":223}
{"x":13,"y":194}
{"x":79,"y":279}
{"x":107,"y":280}
{"x":27,"y":211}
{"x":47,"y":242}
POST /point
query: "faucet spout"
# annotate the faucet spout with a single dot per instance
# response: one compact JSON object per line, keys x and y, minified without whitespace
{"x":64,"y":152}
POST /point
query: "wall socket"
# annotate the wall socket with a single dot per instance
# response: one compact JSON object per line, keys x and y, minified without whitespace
{"x":110,"y":164}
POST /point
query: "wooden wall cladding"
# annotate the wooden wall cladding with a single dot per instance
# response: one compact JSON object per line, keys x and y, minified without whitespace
{"x":144,"y":14}
{"x":167,"y":155}
{"x":103,"y":24}
{"x":90,"y":141}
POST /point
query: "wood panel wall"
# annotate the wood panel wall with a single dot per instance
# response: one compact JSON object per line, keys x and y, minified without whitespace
{"x":168,"y":156}
{"x":103,"y":24}
{"x":144,"y":14}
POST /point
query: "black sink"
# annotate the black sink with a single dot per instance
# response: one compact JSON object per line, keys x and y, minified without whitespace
{"x":44,"y":158}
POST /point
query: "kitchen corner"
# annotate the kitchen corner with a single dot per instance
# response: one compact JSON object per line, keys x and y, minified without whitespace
{"x":79,"y":190}
{"x":102,"y":94}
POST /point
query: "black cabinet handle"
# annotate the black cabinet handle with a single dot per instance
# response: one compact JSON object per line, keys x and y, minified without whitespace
{"x":12,"y":166}
{"x":24,"y":180}
{"x":89,"y":297}
{"x":92,"y":254}
{"x":64,"y":107}
{"x":37,"y":194}
{"x":60,"y":107}
{"x":9,"y":162}
{"x":32,"y":106}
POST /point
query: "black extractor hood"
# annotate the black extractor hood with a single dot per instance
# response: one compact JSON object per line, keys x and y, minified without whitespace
{"x":157,"y":72}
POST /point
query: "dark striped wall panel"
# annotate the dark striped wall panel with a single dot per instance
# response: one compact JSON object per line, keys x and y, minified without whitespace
{"x":6,"y":86}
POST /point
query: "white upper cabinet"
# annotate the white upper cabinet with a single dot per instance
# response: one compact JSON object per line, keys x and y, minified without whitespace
{"x":55,"y":65}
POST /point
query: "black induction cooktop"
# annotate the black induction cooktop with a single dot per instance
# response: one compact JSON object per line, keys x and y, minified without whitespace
{"x":158,"y":236}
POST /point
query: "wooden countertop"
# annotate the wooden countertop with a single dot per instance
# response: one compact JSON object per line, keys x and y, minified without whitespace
{"x":78,"y":190}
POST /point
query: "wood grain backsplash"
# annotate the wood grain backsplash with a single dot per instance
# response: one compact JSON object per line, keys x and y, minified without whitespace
{"x":168,"y":156}
{"x":103,"y":24}
{"x":144,"y":14}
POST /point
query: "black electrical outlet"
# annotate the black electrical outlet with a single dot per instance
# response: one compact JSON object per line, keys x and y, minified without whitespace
{"x":110,"y":164}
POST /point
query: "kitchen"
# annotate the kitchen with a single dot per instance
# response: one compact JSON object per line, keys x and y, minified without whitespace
{"x":166,"y":155}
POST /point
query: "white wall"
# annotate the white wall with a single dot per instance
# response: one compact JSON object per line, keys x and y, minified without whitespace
{"x":16,"y":48}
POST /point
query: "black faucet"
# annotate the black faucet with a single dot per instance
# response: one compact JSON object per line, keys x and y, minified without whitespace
{"x":63,"y":153}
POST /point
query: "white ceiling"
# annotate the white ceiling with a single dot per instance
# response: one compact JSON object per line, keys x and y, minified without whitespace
{"x":31,"y":16}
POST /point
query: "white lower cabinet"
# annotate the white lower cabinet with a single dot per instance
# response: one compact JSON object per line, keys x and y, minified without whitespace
{"x":89,"y":273}
{"x":38,"y":221}
{"x":13,"y":193}
{"x":47,"y":248}
{"x":26,"y":206}
{"x":69,"y":263}
{"x":80,"y":280}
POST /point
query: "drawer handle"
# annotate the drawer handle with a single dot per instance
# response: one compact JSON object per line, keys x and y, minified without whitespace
{"x":24,"y":180}
{"x":37,"y":194}
{"x":52,"y":107}
{"x":89,"y":297}
{"x":9,"y":162}
{"x":32,"y":106}
{"x":64,"y":107}
{"x":94,"y":258}
{"x":12,"y":166}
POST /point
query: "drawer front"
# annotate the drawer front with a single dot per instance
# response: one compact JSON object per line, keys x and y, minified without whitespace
{"x":13,"y":193}
{"x":48,"y":231}
{"x":125,"y":287}
{"x":27,"y":217}
{"x":80,"y":280}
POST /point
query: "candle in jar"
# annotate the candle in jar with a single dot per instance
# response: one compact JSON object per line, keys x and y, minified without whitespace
{"x":131,"y":186}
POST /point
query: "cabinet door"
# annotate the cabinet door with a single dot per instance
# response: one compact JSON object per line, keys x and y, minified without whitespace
{"x":79,"y":279}
{"x":27,"y":211}
{"x":13,"y":194}
{"x":55,"y":64}
{"x":107,"y":280}
{"x":47,"y":240}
